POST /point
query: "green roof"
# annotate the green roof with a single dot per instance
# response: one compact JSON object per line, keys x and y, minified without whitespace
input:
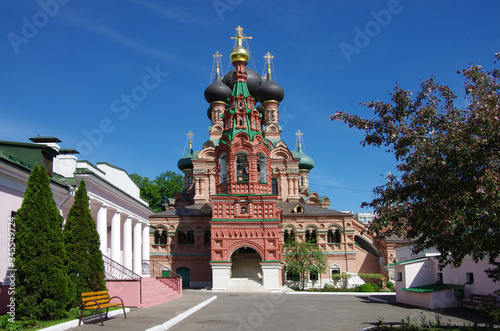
{"x":433,"y":288}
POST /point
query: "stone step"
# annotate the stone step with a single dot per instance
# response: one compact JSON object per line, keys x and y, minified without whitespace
{"x":154,"y":292}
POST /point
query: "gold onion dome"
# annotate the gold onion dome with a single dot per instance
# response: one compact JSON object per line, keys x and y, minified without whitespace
{"x":239,"y":53}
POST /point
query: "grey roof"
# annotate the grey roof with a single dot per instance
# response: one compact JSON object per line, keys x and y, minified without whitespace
{"x":192,"y":210}
{"x":288,"y":207}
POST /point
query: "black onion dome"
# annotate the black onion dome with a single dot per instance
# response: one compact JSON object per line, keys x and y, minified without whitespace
{"x":217,"y":91}
{"x":253,"y":80}
{"x":260,"y":108}
{"x":270,"y":90}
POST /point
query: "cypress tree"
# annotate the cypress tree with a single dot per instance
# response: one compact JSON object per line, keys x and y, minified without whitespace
{"x":85,"y":266}
{"x":41,"y":280}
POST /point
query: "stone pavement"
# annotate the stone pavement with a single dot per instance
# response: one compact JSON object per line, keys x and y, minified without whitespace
{"x":277,"y":311}
{"x":145,"y":318}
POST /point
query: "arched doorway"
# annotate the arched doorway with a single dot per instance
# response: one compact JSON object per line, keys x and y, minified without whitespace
{"x":184,"y":273}
{"x":246,"y":264}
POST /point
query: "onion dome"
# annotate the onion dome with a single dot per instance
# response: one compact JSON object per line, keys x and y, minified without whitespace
{"x":306,"y":162}
{"x":239,"y":53}
{"x":260,"y":108}
{"x":186,"y":162}
{"x":217,"y":91}
{"x":209,"y":113}
{"x":270,"y":90}
{"x":253,"y":80}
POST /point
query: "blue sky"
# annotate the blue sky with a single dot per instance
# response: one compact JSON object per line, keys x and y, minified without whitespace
{"x":67,"y":68}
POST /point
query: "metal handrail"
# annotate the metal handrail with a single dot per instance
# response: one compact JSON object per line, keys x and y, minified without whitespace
{"x":116,"y":271}
{"x":154,"y":268}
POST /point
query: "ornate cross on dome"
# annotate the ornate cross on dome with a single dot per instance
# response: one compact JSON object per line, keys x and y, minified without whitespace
{"x":299,"y":135}
{"x":240,"y":36}
{"x":269,"y":57}
{"x":190,"y":134}
{"x":217,"y":57}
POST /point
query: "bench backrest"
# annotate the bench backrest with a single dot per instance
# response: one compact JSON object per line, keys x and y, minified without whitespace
{"x":101,"y":297}
{"x":482,"y":297}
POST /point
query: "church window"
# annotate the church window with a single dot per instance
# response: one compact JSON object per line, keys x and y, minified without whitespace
{"x":163,"y":237}
{"x":261,"y":168}
{"x":243,"y":209}
{"x":334,"y":236}
{"x":185,"y":237}
{"x":292,"y":276}
{"x":207,"y":237}
{"x":242,"y":168}
{"x":313,"y":276}
{"x":302,"y":181}
{"x":157,"y":237}
{"x":311,"y":237}
{"x":274,"y":184}
{"x":223,"y":169}
{"x":271,"y":117}
{"x":289,"y":236}
{"x":334,"y":270}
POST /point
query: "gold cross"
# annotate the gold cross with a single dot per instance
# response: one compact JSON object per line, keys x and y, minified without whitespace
{"x":240,"y":36}
{"x":217,"y":57}
{"x":268,"y":58}
{"x":190,"y":134}
{"x":299,"y":134}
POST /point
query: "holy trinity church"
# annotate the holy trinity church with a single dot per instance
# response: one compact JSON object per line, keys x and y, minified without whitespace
{"x":246,"y":192}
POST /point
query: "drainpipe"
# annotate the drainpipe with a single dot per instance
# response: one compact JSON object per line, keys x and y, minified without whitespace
{"x":71,"y":192}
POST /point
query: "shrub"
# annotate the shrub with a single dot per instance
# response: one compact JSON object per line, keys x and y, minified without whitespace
{"x":366,"y":288}
{"x":390,"y":286}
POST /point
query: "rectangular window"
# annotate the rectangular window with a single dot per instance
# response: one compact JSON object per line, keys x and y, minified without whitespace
{"x":399,"y":277}
{"x":313,"y":276}
{"x":439,"y":277}
{"x":469,"y":278}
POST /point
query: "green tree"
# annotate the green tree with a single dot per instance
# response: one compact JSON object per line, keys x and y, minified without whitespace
{"x":41,"y":280}
{"x":447,"y":192}
{"x":302,"y":258}
{"x":85,"y":266}
{"x":156,"y":191}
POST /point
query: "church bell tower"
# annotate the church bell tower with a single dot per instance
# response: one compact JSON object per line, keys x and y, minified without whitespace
{"x":246,"y":238}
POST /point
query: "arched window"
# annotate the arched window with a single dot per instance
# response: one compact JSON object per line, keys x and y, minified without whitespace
{"x":262,"y":168}
{"x":181,"y":238}
{"x":271,"y":117}
{"x":157,"y":237}
{"x":311,"y":236}
{"x":163,"y":237}
{"x":274,"y":184}
{"x":334,"y":236}
{"x":190,"y":238}
{"x":223,"y":168}
{"x":334,"y":269}
{"x":243,"y":209}
{"x":241,"y":167}
{"x":289,"y":236}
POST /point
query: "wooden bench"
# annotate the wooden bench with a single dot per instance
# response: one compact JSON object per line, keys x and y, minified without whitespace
{"x":479,"y":299}
{"x":99,"y":300}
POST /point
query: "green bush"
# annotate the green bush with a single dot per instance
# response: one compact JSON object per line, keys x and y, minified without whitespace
{"x":390,"y":286}
{"x":366,"y":288}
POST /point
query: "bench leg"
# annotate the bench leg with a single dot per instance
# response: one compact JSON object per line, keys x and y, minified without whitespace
{"x":124,"y":314}
{"x":81,"y":316}
{"x":100,"y":315}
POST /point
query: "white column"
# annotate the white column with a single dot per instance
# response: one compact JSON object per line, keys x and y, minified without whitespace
{"x":127,"y":243}
{"x":145,"y":242}
{"x":116,"y":232}
{"x":138,"y":248}
{"x":102,"y":228}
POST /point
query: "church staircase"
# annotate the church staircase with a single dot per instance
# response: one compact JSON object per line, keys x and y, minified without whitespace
{"x":142,"y":292}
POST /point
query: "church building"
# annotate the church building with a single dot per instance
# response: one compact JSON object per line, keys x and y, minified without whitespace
{"x":246,"y":193}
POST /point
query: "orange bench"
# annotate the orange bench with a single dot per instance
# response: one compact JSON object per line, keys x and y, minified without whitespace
{"x":99,"y":300}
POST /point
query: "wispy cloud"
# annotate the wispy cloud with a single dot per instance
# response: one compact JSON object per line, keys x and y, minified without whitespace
{"x":93,"y":26}
{"x":176,"y":14}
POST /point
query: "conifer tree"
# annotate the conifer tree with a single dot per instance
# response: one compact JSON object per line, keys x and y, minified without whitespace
{"x":41,"y":280}
{"x":85,"y":266}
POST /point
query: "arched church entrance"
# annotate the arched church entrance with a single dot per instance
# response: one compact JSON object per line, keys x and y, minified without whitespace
{"x":246,"y":264}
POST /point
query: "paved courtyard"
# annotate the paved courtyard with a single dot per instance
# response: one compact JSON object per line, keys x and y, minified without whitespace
{"x":278,"y":311}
